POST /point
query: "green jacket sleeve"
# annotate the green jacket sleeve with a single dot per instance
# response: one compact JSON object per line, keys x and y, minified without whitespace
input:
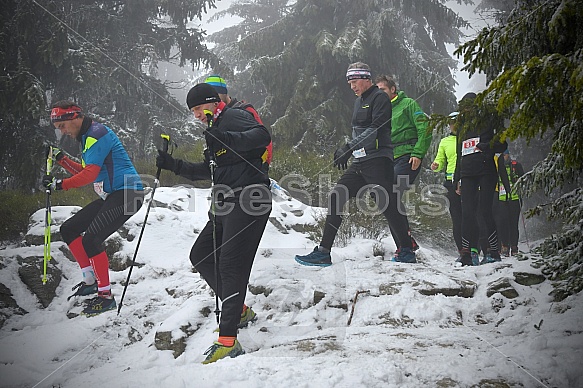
{"x":440,"y":158}
{"x":423,"y":135}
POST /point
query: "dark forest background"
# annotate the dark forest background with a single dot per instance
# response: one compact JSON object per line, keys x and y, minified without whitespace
{"x":289,"y":60}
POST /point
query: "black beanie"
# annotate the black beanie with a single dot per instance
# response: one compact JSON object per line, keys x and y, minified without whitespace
{"x":469,"y":96}
{"x":201,"y":94}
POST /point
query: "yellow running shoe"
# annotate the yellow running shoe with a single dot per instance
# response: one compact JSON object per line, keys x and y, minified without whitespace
{"x":248,"y":316}
{"x":218,"y":351}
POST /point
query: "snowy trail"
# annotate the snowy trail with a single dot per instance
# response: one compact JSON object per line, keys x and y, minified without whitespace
{"x":404,"y":333}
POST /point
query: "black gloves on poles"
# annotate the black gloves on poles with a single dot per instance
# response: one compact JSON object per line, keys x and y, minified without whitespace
{"x":58,"y":154}
{"x":165,"y":161}
{"x":341,"y":157}
{"x":50,"y":182}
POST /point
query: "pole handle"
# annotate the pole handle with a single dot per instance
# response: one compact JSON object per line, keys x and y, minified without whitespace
{"x":165,"y":143}
{"x":209,"y":123}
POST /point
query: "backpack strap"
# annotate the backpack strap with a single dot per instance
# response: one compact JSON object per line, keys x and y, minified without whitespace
{"x":267,"y":154}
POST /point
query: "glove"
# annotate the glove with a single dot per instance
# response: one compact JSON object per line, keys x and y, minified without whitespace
{"x":51,"y":183}
{"x":216,"y":137}
{"x":341,"y":157}
{"x":58,"y":154}
{"x":165,"y":161}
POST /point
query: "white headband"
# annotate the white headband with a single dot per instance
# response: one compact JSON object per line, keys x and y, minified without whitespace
{"x":358,"y":74}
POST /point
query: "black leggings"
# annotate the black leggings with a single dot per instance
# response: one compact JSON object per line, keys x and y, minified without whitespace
{"x":455,"y":211}
{"x":101,"y":218}
{"x":507,"y":219}
{"x":238,"y":233}
{"x":477,"y":197}
{"x":377,"y":173}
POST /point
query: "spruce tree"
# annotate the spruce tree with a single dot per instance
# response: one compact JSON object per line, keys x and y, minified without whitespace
{"x":101,"y":54}
{"x":535,"y":64}
{"x":298,"y":62}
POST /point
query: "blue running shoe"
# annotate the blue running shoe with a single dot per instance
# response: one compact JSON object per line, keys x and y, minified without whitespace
{"x":315,"y":258}
{"x":405,"y":255}
{"x":475,"y":258}
{"x":99,"y":304}
{"x":84,"y":289}
{"x":494,"y":257}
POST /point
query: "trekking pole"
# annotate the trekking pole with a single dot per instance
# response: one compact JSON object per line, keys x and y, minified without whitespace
{"x":213,"y":166}
{"x":165,"y":142}
{"x":47,"y":246}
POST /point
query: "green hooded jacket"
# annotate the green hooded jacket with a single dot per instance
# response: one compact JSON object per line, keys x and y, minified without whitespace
{"x":409,"y":133}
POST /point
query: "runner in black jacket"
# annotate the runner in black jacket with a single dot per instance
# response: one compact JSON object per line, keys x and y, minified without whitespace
{"x":476,"y":177}
{"x":372,"y":168}
{"x":242,"y":204}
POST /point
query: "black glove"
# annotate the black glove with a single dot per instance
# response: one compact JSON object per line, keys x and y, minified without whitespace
{"x":51,"y":183}
{"x":341,"y":157}
{"x":58,"y":154}
{"x":215,"y":138}
{"x":165,"y":161}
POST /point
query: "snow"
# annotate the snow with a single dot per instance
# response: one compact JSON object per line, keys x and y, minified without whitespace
{"x":398,"y":337}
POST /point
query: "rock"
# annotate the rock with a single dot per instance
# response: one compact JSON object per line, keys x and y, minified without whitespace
{"x":113,"y":245}
{"x":163,"y":340}
{"x":503,"y":287}
{"x":390,"y":289}
{"x":256,"y":290}
{"x":31,"y":272}
{"x":8,"y":306}
{"x":300,"y":228}
{"x":465,"y":289}
{"x":492,"y":383}
{"x":118,"y":261}
{"x":318,"y":296}
{"x":528,"y":279}
{"x":278,"y":225}
{"x":124,"y":232}
{"x":159,"y":204}
{"x":446,"y":382}
{"x":34,"y":239}
{"x":67,"y":253}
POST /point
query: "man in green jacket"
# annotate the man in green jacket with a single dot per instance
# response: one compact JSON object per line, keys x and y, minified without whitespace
{"x":409,"y":136}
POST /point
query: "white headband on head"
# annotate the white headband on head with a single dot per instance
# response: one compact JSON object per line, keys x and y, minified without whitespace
{"x":358,"y":74}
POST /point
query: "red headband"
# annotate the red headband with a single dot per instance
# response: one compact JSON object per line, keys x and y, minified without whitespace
{"x":63,"y":114}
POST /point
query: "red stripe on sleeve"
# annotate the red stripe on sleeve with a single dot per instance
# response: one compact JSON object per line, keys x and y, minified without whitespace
{"x":85,"y":177}
{"x":71,"y":166}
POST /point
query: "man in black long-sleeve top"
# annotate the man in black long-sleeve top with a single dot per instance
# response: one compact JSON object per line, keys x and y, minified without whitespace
{"x":372,"y":167}
{"x":240,"y":208}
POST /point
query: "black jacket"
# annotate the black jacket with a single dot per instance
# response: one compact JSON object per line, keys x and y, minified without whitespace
{"x":482,"y":162}
{"x":239,"y":162}
{"x":371,"y":124}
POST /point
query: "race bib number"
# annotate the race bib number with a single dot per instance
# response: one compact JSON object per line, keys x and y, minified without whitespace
{"x":469,"y":146}
{"x":360,"y":153}
{"x":98,"y":187}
